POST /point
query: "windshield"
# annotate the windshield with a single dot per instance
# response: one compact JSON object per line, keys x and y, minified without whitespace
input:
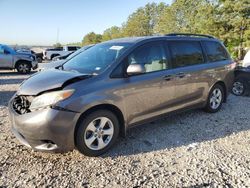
{"x":77,"y":52}
{"x":96,"y":59}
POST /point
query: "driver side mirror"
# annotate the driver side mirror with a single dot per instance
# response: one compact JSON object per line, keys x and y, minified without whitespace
{"x":135,"y":69}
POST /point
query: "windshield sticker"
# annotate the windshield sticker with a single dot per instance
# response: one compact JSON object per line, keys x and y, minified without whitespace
{"x":98,"y":68}
{"x":116,"y":47}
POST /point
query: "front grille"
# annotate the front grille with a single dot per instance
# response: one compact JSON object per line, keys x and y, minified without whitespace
{"x":21,"y":104}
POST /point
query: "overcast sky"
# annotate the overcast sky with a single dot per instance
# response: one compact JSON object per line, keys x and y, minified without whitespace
{"x":36,"y":22}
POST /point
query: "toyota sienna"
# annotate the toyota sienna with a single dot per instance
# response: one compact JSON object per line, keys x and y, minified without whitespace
{"x":97,"y":95}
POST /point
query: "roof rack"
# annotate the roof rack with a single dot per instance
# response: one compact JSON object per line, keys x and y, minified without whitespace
{"x":189,"y":34}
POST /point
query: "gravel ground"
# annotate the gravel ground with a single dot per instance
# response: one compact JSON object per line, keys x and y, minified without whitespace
{"x":191,"y":149}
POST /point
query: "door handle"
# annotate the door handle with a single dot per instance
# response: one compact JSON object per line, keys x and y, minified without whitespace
{"x":181,"y":74}
{"x":168,"y":77}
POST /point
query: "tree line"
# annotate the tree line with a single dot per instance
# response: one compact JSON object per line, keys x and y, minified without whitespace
{"x":228,"y":20}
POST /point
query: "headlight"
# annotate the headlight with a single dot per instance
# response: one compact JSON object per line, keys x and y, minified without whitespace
{"x":49,"y":99}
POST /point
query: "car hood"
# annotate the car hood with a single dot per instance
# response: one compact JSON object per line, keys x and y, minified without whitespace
{"x":51,"y":65}
{"x":49,"y":80}
{"x":24,"y":55}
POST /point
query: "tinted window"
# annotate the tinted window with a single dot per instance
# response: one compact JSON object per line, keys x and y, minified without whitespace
{"x":185,"y":53}
{"x":72,"y":48}
{"x":215,"y":51}
{"x":55,"y":49}
{"x":151,"y":55}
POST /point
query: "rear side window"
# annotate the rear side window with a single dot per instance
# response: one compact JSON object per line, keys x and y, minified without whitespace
{"x":186,"y":53}
{"x":215,"y":51}
{"x":72,"y":48}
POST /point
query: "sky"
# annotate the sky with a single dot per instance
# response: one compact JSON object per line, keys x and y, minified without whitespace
{"x":37,"y":22}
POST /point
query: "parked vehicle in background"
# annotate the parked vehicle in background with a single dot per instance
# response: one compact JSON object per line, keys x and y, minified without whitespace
{"x":11,"y":59}
{"x":241,"y":84}
{"x":58,"y":63}
{"x":24,"y":50}
{"x":39,"y":56}
{"x":116,"y":85}
{"x":59,"y":51}
{"x":246,"y":60}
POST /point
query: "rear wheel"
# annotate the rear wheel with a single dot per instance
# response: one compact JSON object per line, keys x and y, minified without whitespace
{"x":23,"y":67}
{"x":97,"y":133}
{"x":215,"y":99}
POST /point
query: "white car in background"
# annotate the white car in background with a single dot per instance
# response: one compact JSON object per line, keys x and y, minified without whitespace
{"x":59,"y":51}
{"x":58,"y":63}
{"x":246,"y":60}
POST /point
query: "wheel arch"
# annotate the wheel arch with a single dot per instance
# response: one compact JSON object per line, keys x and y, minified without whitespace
{"x":21,"y":61}
{"x":114,"y":109}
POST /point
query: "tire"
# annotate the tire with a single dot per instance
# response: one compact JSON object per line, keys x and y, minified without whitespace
{"x":23,"y":67}
{"x":39,"y":59}
{"x":88,"y":136}
{"x":239,"y":87}
{"x":215,"y":99}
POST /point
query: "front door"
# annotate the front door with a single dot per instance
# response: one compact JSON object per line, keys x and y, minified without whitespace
{"x":5,"y":58}
{"x":149,"y":94}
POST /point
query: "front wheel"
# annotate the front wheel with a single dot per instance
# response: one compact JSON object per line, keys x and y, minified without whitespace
{"x":97,"y":133}
{"x":215,"y":99}
{"x":23,"y":67}
{"x":239,"y":87}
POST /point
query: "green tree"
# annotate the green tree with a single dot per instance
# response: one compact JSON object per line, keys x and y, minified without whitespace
{"x":111,"y":33}
{"x":234,"y":21}
{"x":144,"y":20}
{"x":57,"y":45}
{"x":91,"y":38}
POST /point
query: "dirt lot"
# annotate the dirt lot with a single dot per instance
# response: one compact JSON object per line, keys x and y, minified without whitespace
{"x":192,"y":149}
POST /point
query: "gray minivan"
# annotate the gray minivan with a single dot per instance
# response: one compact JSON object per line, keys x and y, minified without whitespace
{"x":97,"y":95}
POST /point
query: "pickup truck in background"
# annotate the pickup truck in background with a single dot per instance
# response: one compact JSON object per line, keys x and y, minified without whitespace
{"x":59,"y":51}
{"x":11,"y":59}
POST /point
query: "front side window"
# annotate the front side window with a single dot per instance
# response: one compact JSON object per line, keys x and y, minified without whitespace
{"x":215,"y":51}
{"x":97,"y":58}
{"x":151,"y":55}
{"x":186,"y":53}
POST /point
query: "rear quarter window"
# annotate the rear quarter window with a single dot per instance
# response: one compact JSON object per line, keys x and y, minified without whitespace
{"x":215,"y":51}
{"x":186,"y":53}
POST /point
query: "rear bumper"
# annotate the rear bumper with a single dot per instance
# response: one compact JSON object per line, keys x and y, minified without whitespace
{"x":45,"y":130}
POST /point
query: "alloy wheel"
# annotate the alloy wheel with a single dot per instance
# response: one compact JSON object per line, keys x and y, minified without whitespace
{"x":99,"y":133}
{"x":216,"y":98}
{"x":238,"y":88}
{"x":23,"y":68}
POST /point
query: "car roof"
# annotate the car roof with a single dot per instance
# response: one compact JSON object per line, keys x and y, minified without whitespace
{"x":165,"y":37}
